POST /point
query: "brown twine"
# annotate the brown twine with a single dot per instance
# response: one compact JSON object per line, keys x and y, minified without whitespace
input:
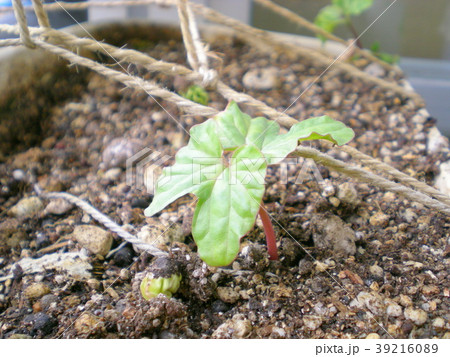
{"x":248,"y":33}
{"x":384,"y":168}
{"x":11,"y":42}
{"x":41,"y":14}
{"x":371,"y":178}
{"x":130,"y":81}
{"x":197,"y":109}
{"x":21,"y":18}
{"x":187,"y":35}
{"x":195,"y":49}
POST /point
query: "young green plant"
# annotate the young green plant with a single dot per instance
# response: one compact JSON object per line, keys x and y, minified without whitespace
{"x":340,"y":13}
{"x":224,"y":164}
{"x":196,"y":94}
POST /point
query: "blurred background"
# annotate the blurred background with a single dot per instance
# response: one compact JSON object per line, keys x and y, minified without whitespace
{"x":417,"y":30}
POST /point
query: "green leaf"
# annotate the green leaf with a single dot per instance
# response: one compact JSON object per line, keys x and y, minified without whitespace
{"x":229,"y":196}
{"x":261,"y":130}
{"x":227,"y":208}
{"x":328,"y":18}
{"x":323,"y":127}
{"x":353,"y":7}
{"x":375,"y":47}
{"x":232,"y":126}
{"x":310,"y":129}
{"x":196,"y":94}
{"x":199,"y":161}
{"x":386,"y":57}
{"x":235,"y":128}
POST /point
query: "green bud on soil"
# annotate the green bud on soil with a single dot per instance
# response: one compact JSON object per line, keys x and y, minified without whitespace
{"x":162,"y":277}
{"x":152,"y":287}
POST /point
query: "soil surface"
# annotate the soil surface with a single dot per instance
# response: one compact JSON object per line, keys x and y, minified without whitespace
{"x":355,"y":262}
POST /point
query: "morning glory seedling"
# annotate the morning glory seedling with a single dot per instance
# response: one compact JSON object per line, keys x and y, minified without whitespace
{"x":340,"y":12}
{"x":224,"y":164}
{"x":196,"y":94}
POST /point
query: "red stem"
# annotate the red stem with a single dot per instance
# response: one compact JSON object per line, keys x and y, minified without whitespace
{"x":355,"y":33}
{"x":270,"y":234}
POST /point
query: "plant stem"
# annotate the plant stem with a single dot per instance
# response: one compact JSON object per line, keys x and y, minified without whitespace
{"x":354,"y":32}
{"x":270,"y":234}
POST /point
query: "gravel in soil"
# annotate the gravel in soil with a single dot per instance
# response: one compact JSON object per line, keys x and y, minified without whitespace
{"x":355,"y":262}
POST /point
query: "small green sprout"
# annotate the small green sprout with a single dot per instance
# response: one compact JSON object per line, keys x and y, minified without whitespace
{"x":340,"y":13}
{"x":196,"y":94}
{"x":386,"y":57}
{"x":162,"y":277}
{"x":224,"y":165}
{"x":152,"y":287}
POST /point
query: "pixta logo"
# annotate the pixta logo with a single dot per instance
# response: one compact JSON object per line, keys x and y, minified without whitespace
{"x":143,"y":169}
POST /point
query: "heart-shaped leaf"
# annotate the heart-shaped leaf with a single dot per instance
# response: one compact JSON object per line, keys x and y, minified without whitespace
{"x":199,"y":161}
{"x":227,"y":207}
{"x":353,"y":7}
{"x":328,"y":18}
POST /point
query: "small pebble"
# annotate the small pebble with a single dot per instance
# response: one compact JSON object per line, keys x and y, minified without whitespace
{"x":372,"y":336}
{"x":139,"y":202}
{"x":48,"y":300}
{"x":94,"y":284}
{"x":312,"y":322}
{"x":124,"y":274}
{"x":237,"y":327}
{"x":88,"y":324}
{"x":18,"y":175}
{"x":58,"y":207}
{"x":112,"y":174}
{"x":379,"y":219}
{"x":374,"y":69}
{"x":227,"y":294}
{"x":111,"y":292}
{"x":436,"y":141}
{"x":376,"y":271}
{"x":93,"y":238}
{"x":36,"y":291}
{"x":119,"y":150}
{"x":42,"y":240}
{"x":27,"y":207}
{"x":18,"y":336}
{"x":409,"y":215}
{"x":418,"y":316}
{"x":331,"y":232}
{"x":393,"y":309}
{"x":278,"y":332}
{"x":41,"y":322}
{"x":405,"y":300}
{"x":220,"y":306}
{"x":124,"y":257}
{"x":438,"y":323}
{"x":372,"y":301}
{"x":347,"y":193}
{"x":261,"y":78}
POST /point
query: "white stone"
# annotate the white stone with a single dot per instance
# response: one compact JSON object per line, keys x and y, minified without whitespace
{"x":442,"y":182}
{"x":436,"y":141}
{"x":418,"y":316}
{"x":261,"y":78}
{"x":27,"y":207}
